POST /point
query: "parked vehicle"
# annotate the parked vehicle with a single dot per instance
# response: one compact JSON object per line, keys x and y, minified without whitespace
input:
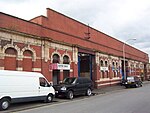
{"x":74,"y":86}
{"x":133,"y":81}
{"x":20,"y":86}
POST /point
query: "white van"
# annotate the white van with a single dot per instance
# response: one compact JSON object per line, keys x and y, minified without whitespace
{"x":17,"y":86}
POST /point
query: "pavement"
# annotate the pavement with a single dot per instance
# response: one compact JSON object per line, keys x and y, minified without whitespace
{"x":107,"y":89}
{"x":113,"y":88}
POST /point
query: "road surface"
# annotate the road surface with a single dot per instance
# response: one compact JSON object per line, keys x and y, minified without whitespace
{"x":132,"y":100}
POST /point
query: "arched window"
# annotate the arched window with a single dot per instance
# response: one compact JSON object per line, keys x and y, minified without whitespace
{"x":27,"y":60}
{"x":56,"y":58}
{"x":66,"y":59}
{"x":10,"y":57}
{"x":113,"y":64}
{"x":28,"y":53}
{"x":106,"y":64}
{"x":114,"y":69}
{"x":10,"y":51}
{"x":106,"y":72}
{"x":116,"y":64}
{"x":102,"y":72}
{"x":117,"y":69}
{"x":101,"y":63}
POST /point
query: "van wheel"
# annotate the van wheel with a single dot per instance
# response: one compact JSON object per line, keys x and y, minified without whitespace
{"x":49,"y":98}
{"x":70,"y":95}
{"x":88,"y":92}
{"x":4,"y":104}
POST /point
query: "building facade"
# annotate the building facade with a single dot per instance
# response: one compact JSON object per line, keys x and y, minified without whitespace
{"x":58,"y":46}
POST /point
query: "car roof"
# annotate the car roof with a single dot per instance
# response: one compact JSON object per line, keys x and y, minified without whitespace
{"x":79,"y":78}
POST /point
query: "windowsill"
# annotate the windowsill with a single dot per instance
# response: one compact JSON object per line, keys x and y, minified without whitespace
{"x":104,"y":79}
{"x":116,"y":78}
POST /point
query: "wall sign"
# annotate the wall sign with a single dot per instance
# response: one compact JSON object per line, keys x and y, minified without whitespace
{"x":104,"y":68}
{"x":56,"y":66}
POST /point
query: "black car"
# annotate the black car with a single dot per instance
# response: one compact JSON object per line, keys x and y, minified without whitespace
{"x":133,"y":81}
{"x":74,"y":86}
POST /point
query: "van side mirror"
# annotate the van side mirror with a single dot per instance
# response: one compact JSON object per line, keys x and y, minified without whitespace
{"x":50,"y":84}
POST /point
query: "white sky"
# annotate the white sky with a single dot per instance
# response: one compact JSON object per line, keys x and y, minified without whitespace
{"x":121,"y":19}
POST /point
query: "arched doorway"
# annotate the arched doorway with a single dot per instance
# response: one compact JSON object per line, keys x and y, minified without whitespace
{"x":56,"y":73}
{"x":27,"y":60}
{"x":10,"y":59}
{"x":66,"y":73}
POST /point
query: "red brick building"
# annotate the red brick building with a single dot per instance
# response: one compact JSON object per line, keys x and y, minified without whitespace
{"x":59,"y":46}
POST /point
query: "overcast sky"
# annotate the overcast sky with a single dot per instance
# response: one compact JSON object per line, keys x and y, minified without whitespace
{"x":121,"y":19}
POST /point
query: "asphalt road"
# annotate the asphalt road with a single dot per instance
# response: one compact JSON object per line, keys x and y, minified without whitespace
{"x":133,"y":100}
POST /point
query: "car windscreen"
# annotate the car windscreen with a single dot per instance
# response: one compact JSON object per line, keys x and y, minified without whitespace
{"x":69,"y":80}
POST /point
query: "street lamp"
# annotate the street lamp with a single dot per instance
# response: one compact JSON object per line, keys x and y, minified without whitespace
{"x":124,"y":56}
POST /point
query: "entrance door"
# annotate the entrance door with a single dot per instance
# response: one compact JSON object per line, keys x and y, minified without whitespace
{"x":85,"y":65}
{"x":66,"y":73}
{"x":56,"y":74}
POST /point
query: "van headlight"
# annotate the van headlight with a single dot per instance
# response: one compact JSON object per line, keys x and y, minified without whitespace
{"x":63,"y":88}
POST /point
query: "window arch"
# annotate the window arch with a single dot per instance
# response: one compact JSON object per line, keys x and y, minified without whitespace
{"x":102,"y":72}
{"x":113,"y":64}
{"x":10,"y":51}
{"x":106,"y":63}
{"x":56,"y":58}
{"x":28,"y":52}
{"x":114,"y":69}
{"x":117,"y":64}
{"x":27,"y":60}
{"x":66,"y":60}
{"x":101,"y":63}
{"x":9,"y":48}
{"x":10,"y":57}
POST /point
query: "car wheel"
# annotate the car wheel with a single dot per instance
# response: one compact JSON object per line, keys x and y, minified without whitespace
{"x":88,"y":92}
{"x":136,"y":85}
{"x":127,"y":86}
{"x":70,"y":94}
{"x":4,"y":104}
{"x":49,"y":98}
